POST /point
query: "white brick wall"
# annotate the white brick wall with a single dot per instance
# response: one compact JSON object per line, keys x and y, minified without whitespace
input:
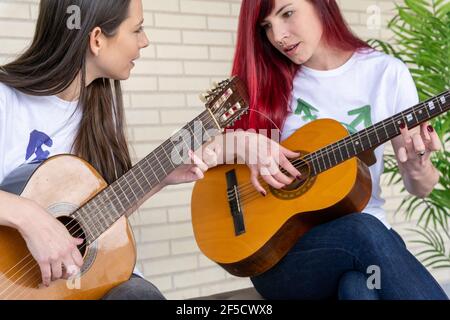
{"x":192,"y":45}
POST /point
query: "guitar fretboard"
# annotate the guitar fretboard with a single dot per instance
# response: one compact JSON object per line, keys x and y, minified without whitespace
{"x":125,"y":194}
{"x":376,"y":135}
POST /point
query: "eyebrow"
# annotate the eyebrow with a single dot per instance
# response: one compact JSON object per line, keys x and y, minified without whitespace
{"x":278,"y":12}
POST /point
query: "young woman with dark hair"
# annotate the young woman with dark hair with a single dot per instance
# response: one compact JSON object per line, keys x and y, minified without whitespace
{"x":301,"y":62}
{"x":63,"y":94}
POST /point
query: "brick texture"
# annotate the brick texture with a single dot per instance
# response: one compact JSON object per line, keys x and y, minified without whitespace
{"x":192,"y":45}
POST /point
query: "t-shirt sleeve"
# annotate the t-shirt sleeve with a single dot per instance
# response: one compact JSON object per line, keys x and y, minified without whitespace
{"x":406,"y":91}
{"x":3,"y":109}
{"x":3,"y":105}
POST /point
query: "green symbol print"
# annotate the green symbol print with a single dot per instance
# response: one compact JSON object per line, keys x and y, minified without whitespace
{"x":305,"y":108}
{"x":363,"y":115}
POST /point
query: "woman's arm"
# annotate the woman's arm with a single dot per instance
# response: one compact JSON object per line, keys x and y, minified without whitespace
{"x":10,"y":208}
{"x":263,"y":156}
{"x":48,"y":241}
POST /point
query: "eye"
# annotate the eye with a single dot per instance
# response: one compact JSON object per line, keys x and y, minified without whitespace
{"x":287,"y":14}
{"x":266,"y":26}
{"x":139,"y":30}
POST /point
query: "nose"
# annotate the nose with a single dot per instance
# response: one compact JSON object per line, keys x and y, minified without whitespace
{"x":280,"y":34}
{"x":145,"y":42}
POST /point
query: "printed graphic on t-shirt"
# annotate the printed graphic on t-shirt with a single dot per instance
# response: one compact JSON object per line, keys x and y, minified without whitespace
{"x":362,"y":115}
{"x":37,"y":141}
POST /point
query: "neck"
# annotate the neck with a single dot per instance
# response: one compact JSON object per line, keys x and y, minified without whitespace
{"x":72,"y":93}
{"x":326,"y":58}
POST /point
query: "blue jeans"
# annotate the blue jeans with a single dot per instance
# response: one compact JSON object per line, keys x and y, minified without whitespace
{"x":340,"y":259}
{"x":136,"y":288}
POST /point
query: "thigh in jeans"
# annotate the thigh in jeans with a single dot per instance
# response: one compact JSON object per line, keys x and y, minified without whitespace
{"x":136,"y":288}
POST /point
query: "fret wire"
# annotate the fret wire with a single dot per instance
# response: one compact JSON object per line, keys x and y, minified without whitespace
{"x":109,"y":217}
{"x":324,"y":158}
{"x":340,"y":152}
{"x":415,"y":115}
{"x":96,"y":214}
{"x":160,"y":165}
{"x":318,"y":162}
{"x":151,"y":168}
{"x":385,"y":130}
{"x":321,"y":158}
{"x":335,"y":159}
{"x":105,"y":214}
{"x":376,"y":134}
{"x":426,"y":108}
{"x":117,"y":197}
{"x":90,"y":226}
{"x":331,"y":162}
{"x":120,"y":192}
{"x":85,"y":225}
{"x":440,"y":104}
{"x":170,"y":161}
{"x":345,"y":145}
{"x":314,"y":167}
{"x":383,"y":125}
{"x":368,"y":137}
{"x":139,"y":185}
{"x":193,"y":135}
{"x":178,"y":152}
{"x":144,"y":175}
{"x":127,"y":184}
{"x":91,"y":217}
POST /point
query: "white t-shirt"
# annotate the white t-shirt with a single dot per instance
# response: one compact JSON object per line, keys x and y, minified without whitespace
{"x":33,"y":128}
{"x":368,"y":88}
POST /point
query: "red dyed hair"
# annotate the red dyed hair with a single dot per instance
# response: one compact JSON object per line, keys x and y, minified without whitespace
{"x":267,"y":73}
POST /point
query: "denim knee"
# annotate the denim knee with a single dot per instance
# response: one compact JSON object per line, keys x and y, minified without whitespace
{"x":136,"y":288}
{"x":353,"y":285}
{"x":367,"y":229}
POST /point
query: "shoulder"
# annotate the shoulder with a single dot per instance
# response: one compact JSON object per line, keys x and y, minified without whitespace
{"x":5,"y":93}
{"x":382,"y":62}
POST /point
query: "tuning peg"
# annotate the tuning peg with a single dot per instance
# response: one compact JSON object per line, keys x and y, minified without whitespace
{"x":215,"y":85}
{"x":203,"y":97}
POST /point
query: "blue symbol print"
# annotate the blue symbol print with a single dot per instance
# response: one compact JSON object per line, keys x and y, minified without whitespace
{"x":37,"y":140}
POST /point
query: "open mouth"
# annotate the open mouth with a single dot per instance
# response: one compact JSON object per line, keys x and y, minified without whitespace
{"x":291,"y":49}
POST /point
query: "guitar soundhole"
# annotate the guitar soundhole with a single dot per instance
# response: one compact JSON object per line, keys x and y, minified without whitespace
{"x":75,"y":229}
{"x":298,"y":187}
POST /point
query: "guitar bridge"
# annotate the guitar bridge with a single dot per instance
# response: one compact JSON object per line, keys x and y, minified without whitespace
{"x":234,"y":202}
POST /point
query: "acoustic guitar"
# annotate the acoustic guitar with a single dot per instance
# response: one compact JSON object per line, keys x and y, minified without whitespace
{"x":247,"y":233}
{"x":75,"y":193}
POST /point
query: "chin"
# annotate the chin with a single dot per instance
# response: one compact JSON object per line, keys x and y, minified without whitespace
{"x":124,"y":76}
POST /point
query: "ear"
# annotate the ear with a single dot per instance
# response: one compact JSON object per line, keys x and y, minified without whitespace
{"x":96,"y":39}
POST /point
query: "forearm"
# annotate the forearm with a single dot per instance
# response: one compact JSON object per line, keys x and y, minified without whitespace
{"x":226,"y":146}
{"x":420,"y":183}
{"x":11,"y":205}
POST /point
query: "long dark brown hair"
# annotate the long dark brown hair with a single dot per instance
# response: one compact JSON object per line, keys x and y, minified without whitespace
{"x":57,"y":56}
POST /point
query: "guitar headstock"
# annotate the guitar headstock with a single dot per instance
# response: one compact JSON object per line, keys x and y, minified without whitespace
{"x":227,"y":101}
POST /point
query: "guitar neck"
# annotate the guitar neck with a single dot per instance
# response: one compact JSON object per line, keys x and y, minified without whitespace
{"x":376,"y":135}
{"x":125,"y":195}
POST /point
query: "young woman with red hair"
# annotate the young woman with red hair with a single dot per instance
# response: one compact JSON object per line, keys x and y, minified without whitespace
{"x":301,"y":62}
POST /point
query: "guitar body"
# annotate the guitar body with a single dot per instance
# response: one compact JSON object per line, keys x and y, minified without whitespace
{"x":74,"y":192}
{"x":273,"y":224}
{"x":62,"y":184}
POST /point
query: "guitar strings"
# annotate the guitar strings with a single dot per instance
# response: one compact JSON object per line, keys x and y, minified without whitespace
{"x":321,"y":154}
{"x":147,"y":181}
{"x":317,"y":157}
{"x":93,"y":217}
